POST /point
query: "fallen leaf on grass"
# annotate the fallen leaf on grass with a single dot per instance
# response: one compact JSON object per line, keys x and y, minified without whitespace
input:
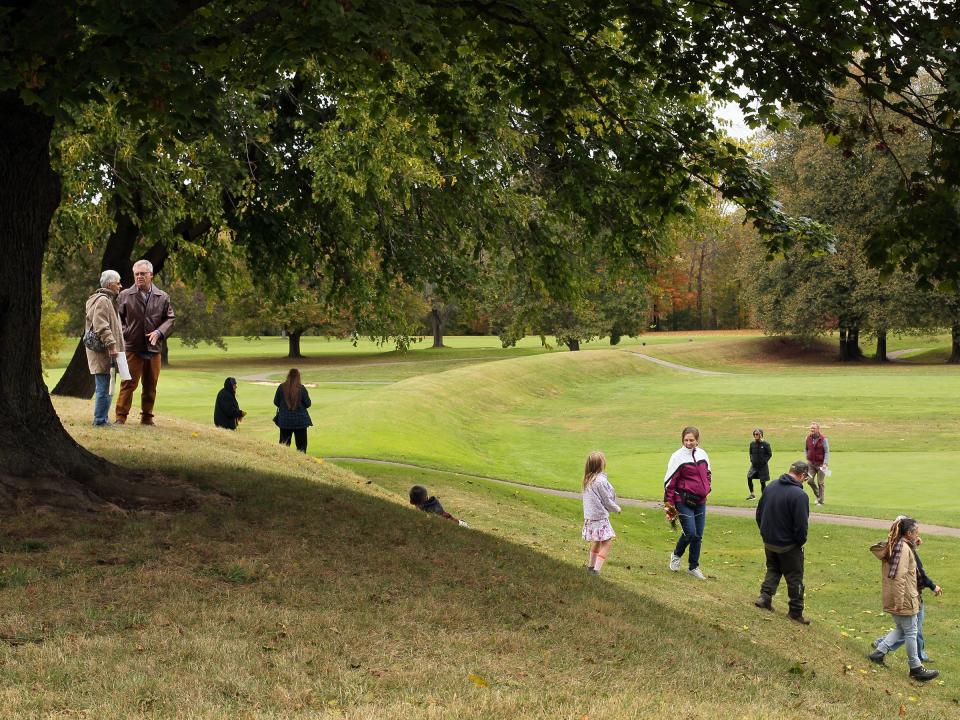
{"x":903,"y":710}
{"x":477,"y":680}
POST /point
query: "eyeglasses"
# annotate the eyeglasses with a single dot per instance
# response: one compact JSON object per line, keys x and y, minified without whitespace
{"x":142,"y":274}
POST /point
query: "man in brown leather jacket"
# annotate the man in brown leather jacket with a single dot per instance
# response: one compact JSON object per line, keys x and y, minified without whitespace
{"x":147,"y":318}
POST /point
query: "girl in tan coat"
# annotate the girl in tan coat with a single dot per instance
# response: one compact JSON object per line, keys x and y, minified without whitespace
{"x":901,"y":594}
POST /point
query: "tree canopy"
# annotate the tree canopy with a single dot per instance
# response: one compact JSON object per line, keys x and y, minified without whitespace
{"x":608,"y":98}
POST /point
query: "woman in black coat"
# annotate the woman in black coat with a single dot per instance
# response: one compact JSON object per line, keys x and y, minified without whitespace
{"x":292,"y":401}
{"x":760,"y":454}
{"x":227,"y":413}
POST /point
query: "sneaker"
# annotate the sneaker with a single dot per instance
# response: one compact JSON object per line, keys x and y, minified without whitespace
{"x":877,"y":657}
{"x":764,"y":603}
{"x":798,"y":618}
{"x":697,"y":573}
{"x":751,"y":496}
{"x":593,"y":571}
{"x":923,"y":674}
{"x":819,"y":502}
{"x":674,"y":562}
{"x":121,"y":420}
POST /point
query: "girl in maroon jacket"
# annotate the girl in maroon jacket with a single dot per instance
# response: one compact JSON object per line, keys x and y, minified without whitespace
{"x":685,"y":489}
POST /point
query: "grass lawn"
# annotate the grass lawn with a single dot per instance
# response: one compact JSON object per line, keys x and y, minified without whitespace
{"x":532,"y":415}
{"x":303,"y":590}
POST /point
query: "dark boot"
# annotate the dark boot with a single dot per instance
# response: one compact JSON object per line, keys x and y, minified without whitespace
{"x":877,"y":657}
{"x":764,"y":603}
{"x":798,"y":618}
{"x":923,"y":674}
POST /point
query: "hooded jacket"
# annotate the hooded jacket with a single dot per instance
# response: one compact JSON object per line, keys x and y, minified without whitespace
{"x":783,"y":513}
{"x":226,"y":412}
{"x":901,"y":596}
{"x":101,"y":317}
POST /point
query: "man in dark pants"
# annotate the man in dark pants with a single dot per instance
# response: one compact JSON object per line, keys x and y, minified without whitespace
{"x":782,"y":516}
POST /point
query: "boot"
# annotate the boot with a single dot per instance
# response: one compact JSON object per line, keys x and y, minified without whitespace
{"x":877,"y":657}
{"x":923,"y":674}
{"x":764,"y":603}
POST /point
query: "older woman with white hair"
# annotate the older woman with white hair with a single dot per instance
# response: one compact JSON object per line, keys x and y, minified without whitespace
{"x":103,"y":339}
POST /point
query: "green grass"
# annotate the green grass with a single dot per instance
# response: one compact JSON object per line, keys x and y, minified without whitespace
{"x":532,"y":415}
{"x":303,"y":590}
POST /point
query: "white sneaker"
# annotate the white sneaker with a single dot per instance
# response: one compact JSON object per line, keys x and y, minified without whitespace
{"x":674,"y":562}
{"x":697,"y":574}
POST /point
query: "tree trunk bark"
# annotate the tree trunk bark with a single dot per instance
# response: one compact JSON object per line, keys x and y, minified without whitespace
{"x":41,"y":463}
{"x":294,"y":345}
{"x":437,"y":322}
{"x":954,"y":344}
{"x":843,"y":345}
{"x":853,"y":342}
{"x":76,"y":380}
{"x":573,"y":344}
{"x":881,"y":354}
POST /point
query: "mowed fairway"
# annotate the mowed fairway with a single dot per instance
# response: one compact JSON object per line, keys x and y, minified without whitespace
{"x":532,"y":416}
{"x":301,"y":588}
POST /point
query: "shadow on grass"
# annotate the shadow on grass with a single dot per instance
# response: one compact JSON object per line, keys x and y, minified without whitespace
{"x":300,"y":580}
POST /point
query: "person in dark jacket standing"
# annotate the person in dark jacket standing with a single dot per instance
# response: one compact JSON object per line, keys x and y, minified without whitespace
{"x":292,"y":401}
{"x":760,"y":454}
{"x":782,"y":516}
{"x":147,"y":318}
{"x":227,"y":413}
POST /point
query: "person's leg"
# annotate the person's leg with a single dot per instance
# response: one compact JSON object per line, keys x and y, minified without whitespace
{"x":148,"y":395}
{"x":696,"y":540}
{"x":687,"y":529}
{"x":908,"y":625}
{"x":792,"y":564}
{"x":763,"y":486}
{"x":750,"y":485}
{"x":768,"y":588}
{"x":602,"y":549}
{"x":892,"y":640}
{"x":301,"y":436}
{"x":594,"y":547}
{"x":101,"y":399}
{"x":921,"y":652}
{"x":285,"y":436}
{"x":125,"y":396}
{"x":820,"y":479}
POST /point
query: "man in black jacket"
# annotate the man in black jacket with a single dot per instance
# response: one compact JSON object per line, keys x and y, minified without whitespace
{"x":782,"y":515}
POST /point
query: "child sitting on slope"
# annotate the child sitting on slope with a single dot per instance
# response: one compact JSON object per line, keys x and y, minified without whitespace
{"x":429,"y":503}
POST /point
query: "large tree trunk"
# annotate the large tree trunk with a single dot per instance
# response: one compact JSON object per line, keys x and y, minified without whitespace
{"x":853,"y":343}
{"x":76,"y":380}
{"x":881,"y":354}
{"x":436,"y":320}
{"x":294,"y":345}
{"x":954,"y":344}
{"x":843,"y":345}
{"x":573,"y":344}
{"x":39,"y":462}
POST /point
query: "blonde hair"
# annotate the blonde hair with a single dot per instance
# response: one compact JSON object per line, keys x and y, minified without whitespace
{"x":901,"y":526}
{"x":596,"y":464}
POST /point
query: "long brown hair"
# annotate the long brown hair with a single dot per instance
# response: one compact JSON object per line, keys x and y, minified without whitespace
{"x":901,"y":526}
{"x":291,"y":389}
{"x":596,"y":464}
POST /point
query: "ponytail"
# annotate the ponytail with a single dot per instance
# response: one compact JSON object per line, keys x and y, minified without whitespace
{"x":901,"y":526}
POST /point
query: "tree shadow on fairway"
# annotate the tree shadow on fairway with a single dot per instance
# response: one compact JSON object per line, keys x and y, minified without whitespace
{"x":298,"y":592}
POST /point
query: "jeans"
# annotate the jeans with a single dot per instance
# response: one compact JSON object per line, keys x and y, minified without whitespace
{"x":101,"y":399}
{"x":301,"y":435}
{"x":789,"y":566}
{"x":921,"y":653}
{"x":692,"y":522}
{"x":905,"y":633}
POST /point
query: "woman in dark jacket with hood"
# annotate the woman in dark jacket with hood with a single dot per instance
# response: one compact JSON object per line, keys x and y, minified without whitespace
{"x":760,"y":454}
{"x":227,"y":413}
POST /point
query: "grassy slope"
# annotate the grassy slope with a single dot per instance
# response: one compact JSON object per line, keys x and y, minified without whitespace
{"x":534,"y":419}
{"x":313,"y":593}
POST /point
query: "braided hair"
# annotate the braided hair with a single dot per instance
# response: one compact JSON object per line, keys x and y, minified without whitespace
{"x":901,"y":526}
